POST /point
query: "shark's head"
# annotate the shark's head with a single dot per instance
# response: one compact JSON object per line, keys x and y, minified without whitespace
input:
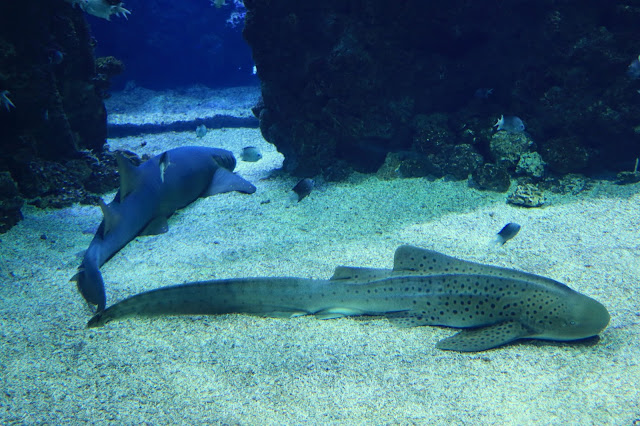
{"x":582,"y":317}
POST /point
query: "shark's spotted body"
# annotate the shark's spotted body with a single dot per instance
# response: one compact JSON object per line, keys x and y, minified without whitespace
{"x":494,"y":305}
{"x":148,"y":195}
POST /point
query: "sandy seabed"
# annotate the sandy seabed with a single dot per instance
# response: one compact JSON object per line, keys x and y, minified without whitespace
{"x":237,"y":369}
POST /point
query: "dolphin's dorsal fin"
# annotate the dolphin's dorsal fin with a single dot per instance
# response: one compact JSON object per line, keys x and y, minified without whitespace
{"x":111,"y":217}
{"x":416,"y":259}
{"x":357,"y":274}
{"x":129,"y":175}
{"x":225,"y":181}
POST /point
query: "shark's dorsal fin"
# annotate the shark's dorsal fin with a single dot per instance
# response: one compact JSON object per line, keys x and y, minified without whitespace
{"x":357,"y":274}
{"x":111,"y":217}
{"x":129,"y":175}
{"x":225,"y":181}
{"x":416,"y":259}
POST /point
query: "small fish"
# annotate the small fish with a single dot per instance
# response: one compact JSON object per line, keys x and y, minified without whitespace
{"x":510,"y":123}
{"x":483,"y":93}
{"x":303,"y":188}
{"x":509,"y":231}
{"x":5,"y":101}
{"x":250,"y":154}
{"x":634,"y":68}
{"x":55,"y":56}
{"x":201,"y":131}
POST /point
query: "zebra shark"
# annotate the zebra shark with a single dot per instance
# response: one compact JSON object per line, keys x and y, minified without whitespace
{"x":493,"y":305}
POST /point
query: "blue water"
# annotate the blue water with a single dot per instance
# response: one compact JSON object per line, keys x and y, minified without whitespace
{"x":168,"y":44}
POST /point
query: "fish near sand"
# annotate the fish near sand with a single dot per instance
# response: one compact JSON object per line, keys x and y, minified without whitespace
{"x":148,"y":195}
{"x":509,"y":123}
{"x":494,"y":306}
{"x":509,"y":231}
{"x":251,"y":154}
{"x":303,"y":188}
{"x":201,"y":131}
{"x":634,"y":68}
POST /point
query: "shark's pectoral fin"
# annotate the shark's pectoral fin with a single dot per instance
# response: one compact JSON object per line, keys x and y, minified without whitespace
{"x":329,"y":313}
{"x":483,"y":338}
{"x":332,"y":313}
{"x":157,"y":226}
{"x":226,"y":181}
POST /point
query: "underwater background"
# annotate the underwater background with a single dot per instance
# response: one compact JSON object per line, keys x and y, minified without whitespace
{"x":433,"y":124}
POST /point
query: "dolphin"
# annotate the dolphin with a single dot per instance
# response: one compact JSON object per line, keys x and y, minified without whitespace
{"x":494,"y":306}
{"x":148,"y":195}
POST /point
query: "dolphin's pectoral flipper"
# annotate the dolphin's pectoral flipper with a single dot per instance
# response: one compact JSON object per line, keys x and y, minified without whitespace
{"x":226,"y":181}
{"x":483,"y":338}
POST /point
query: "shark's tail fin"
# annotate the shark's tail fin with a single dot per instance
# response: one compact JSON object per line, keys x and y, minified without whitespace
{"x":90,"y":283}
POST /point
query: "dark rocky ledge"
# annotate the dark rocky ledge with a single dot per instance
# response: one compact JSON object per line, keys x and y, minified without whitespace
{"x":346,"y":82}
